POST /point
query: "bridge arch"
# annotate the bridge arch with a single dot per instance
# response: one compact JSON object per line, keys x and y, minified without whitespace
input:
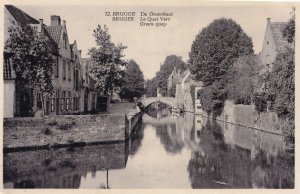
{"x":166,"y":100}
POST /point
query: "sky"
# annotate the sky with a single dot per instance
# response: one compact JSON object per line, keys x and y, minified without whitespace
{"x":150,"y":45}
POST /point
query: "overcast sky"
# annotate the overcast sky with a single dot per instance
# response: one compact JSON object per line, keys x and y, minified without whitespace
{"x":149,"y":46}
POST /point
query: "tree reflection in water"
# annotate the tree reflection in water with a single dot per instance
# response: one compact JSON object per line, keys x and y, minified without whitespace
{"x":216,"y":164}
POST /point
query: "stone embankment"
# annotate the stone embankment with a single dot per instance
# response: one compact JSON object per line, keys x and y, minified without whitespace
{"x":68,"y":130}
{"x":247,"y":116}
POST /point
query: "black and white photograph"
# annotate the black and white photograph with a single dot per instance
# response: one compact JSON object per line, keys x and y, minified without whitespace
{"x":148,"y":96}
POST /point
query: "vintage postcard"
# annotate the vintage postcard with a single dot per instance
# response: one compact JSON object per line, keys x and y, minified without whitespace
{"x":141,"y":95}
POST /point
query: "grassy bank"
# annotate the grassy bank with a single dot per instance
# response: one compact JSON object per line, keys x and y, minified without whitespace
{"x":20,"y":133}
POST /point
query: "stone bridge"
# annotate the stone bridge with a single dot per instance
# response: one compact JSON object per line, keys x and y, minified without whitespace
{"x":166,"y":100}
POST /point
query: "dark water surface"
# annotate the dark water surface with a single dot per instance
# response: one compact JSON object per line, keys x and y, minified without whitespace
{"x":165,"y":152}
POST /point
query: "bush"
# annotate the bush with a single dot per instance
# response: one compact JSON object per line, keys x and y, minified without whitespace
{"x":242,"y":79}
{"x":67,"y":126}
{"x":213,"y":98}
{"x":260,"y":102}
{"x":52,"y":123}
{"x":47,"y":131}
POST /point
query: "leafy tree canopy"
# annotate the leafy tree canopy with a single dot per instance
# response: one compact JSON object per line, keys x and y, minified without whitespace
{"x":107,"y":62}
{"x":133,"y":81}
{"x":215,"y":48}
{"x":151,"y":86}
{"x":242,"y":79}
{"x":31,"y":58}
{"x":289,"y":32}
{"x":166,"y":69}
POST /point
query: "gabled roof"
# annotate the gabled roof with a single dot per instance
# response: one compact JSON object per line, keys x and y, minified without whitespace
{"x":182,"y":76}
{"x":54,"y":32}
{"x":172,"y":73}
{"x":24,"y":19}
{"x":71,"y":46}
{"x":21,"y":17}
{"x":280,"y":41}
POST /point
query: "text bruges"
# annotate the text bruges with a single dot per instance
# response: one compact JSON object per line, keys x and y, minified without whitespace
{"x":121,"y":16}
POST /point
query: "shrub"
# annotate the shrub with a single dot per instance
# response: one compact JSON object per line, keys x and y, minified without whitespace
{"x":67,"y":126}
{"x":213,"y":98}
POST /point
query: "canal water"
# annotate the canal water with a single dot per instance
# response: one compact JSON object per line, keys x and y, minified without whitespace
{"x":166,"y":151}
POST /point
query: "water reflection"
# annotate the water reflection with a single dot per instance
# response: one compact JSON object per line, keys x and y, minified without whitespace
{"x":62,"y":168}
{"x":230,"y":156}
{"x":166,"y":151}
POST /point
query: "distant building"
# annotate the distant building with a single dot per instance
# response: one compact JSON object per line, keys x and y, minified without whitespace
{"x":158,"y":93}
{"x":274,"y":43}
{"x":91,"y":101}
{"x":172,"y":80}
{"x":187,"y":93}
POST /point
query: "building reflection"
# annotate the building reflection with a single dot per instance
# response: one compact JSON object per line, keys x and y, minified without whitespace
{"x":62,"y":168}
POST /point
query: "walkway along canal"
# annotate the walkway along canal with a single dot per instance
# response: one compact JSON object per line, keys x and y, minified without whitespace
{"x":165,"y":151}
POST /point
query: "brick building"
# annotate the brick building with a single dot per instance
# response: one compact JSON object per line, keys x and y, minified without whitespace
{"x":172,"y":80}
{"x":71,"y":80}
{"x":274,"y":43}
{"x":21,"y":101}
{"x":187,"y":93}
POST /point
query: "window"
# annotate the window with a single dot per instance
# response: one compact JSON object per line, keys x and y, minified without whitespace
{"x":74,"y":78}
{"x":52,"y":104}
{"x":39,"y":100}
{"x":67,"y":104}
{"x":65,"y":41}
{"x":64,"y":69}
{"x":198,"y":107}
{"x":198,"y":95}
{"x":56,"y":68}
{"x":62,"y":105}
{"x":7,"y":68}
{"x":69,"y":71}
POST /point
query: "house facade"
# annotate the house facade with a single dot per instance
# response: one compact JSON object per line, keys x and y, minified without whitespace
{"x":89,"y":96}
{"x":172,"y":81}
{"x":73,"y":84}
{"x":274,"y":43}
{"x":20,"y":100}
{"x":187,"y":93}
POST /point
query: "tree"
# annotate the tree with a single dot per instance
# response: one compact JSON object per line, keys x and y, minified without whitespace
{"x":151,"y":86}
{"x":289,"y":31}
{"x":212,"y":55}
{"x":281,"y":91}
{"x":133,"y":81}
{"x":242,"y":79}
{"x":107,"y":62}
{"x":215,"y":48}
{"x":212,"y":97}
{"x":31,"y":58}
{"x":166,"y":69}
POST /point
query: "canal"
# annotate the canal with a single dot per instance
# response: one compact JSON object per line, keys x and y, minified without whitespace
{"x":166,"y":151}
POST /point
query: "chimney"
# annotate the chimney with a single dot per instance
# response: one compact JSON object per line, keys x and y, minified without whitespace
{"x":55,"y":20}
{"x":268,"y":20}
{"x":64,"y":22}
